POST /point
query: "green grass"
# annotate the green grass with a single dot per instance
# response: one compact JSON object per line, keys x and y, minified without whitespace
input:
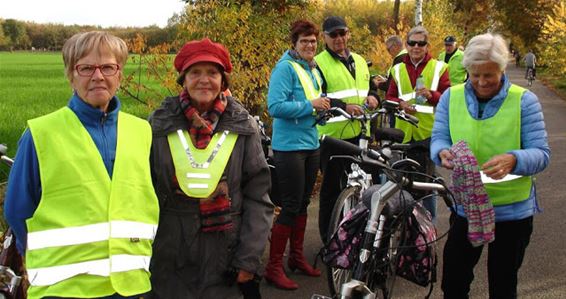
{"x":33,"y":84}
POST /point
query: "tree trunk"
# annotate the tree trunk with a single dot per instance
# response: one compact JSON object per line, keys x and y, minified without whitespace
{"x":396,"y":16}
{"x":418,"y":12}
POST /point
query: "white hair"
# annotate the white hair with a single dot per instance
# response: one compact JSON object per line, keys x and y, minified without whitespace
{"x":486,"y":48}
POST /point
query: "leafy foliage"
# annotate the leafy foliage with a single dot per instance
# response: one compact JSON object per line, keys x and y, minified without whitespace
{"x":553,"y":37}
{"x":256,"y":34}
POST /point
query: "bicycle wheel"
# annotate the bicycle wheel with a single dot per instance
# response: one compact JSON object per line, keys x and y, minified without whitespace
{"x":530,"y":77}
{"x":386,"y":258}
{"x":347,"y":200}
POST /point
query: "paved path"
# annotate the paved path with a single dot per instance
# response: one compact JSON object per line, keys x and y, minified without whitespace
{"x":543,"y":274}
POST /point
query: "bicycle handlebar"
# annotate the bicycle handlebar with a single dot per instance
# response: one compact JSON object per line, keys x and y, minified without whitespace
{"x":347,"y":148}
{"x":3,"y":151}
{"x":387,"y":107}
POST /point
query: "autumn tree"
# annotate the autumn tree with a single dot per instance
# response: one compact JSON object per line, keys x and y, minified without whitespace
{"x":553,"y":37}
{"x":256,"y":34}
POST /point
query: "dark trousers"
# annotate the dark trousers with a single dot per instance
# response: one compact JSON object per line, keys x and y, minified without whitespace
{"x":296,"y":175}
{"x":335,"y":177}
{"x":422,"y":156}
{"x":505,"y":256}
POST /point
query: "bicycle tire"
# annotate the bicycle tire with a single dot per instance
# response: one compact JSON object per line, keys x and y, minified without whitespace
{"x":347,"y":200}
{"x":387,"y":264}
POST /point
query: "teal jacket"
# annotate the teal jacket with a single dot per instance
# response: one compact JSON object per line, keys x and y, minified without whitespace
{"x":292,"y":113}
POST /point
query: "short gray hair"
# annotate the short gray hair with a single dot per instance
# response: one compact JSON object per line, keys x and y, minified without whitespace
{"x":393,"y":40}
{"x":82,"y":44}
{"x":486,"y":48}
{"x":417,"y":30}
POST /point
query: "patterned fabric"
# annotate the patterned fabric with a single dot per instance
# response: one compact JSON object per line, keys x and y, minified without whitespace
{"x":470,"y":193}
{"x":201,"y":126}
{"x":214,"y":210}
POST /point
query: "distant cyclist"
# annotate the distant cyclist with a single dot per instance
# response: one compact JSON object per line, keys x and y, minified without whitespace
{"x":530,"y":63}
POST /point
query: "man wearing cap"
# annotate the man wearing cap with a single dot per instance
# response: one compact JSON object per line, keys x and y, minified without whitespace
{"x":453,"y":57}
{"x":433,"y":74}
{"x":346,"y":83}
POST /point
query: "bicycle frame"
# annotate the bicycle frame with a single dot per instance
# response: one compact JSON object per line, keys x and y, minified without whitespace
{"x":374,"y":233}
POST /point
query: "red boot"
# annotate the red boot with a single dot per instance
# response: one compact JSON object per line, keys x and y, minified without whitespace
{"x":296,"y":258}
{"x":274,"y":271}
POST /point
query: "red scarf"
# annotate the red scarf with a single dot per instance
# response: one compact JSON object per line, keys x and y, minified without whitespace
{"x":214,"y":210}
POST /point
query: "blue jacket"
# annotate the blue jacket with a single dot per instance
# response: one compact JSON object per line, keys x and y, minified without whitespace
{"x":291,"y":111}
{"x":531,"y":159}
{"x":24,"y":186}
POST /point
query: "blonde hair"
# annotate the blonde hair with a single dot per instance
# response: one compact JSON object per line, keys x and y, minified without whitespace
{"x":82,"y":44}
{"x":417,"y":30}
{"x":486,"y":48}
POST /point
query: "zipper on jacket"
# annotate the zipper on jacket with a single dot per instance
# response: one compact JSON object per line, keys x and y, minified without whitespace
{"x":104,"y":143}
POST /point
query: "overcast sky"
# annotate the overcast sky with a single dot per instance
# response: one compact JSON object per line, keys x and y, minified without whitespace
{"x":105,"y":13}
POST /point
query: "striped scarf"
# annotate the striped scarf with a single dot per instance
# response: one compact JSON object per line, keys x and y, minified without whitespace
{"x":214,"y":210}
{"x":470,"y":193}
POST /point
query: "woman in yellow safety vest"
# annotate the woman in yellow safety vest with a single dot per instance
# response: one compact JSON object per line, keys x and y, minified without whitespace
{"x":503,"y":128}
{"x":80,"y":197}
{"x":212,"y":181}
{"x":293,"y":99}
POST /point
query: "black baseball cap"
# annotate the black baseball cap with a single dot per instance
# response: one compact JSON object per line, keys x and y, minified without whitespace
{"x":449,"y":39}
{"x":333,"y":23}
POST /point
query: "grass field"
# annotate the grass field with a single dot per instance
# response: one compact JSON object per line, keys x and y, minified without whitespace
{"x":34,"y":84}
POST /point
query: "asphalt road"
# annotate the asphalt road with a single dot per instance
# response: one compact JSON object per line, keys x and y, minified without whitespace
{"x":543,"y":274}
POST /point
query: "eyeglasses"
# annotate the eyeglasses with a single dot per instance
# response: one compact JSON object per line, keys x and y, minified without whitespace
{"x":305,"y":42}
{"x":334,"y":34}
{"x":87,"y":70}
{"x":413,"y":43}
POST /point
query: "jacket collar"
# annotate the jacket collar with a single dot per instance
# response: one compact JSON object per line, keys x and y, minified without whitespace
{"x":92,"y":116}
{"x":169,"y":117}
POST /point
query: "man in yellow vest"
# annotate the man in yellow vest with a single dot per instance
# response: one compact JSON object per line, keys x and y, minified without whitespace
{"x":394,"y":45}
{"x":80,"y":199}
{"x":453,"y":57}
{"x":395,"y":48}
{"x":418,"y":83}
{"x":346,"y":83}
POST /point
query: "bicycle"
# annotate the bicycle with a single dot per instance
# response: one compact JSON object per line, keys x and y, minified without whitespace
{"x":358,"y":180}
{"x":375,"y":268}
{"x":530,"y":76}
{"x":11,"y":262}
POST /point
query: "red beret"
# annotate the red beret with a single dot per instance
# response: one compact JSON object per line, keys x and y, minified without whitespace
{"x":202,"y":51}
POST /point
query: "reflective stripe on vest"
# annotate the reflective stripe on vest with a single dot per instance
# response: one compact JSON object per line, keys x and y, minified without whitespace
{"x":311,"y":92}
{"x":431,"y":75}
{"x":492,"y":136}
{"x":90,"y":233}
{"x":198,"y":171}
{"x":79,"y":198}
{"x":341,"y":85}
{"x":117,"y":263}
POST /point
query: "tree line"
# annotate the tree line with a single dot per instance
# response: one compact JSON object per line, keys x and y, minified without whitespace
{"x":22,"y":35}
{"x":256,"y":32}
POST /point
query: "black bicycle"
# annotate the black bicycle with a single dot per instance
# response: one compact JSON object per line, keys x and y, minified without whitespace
{"x":11,"y":262}
{"x":375,"y":268}
{"x":530,"y":76}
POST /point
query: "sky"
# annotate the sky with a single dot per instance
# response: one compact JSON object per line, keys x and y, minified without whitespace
{"x":105,"y":13}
